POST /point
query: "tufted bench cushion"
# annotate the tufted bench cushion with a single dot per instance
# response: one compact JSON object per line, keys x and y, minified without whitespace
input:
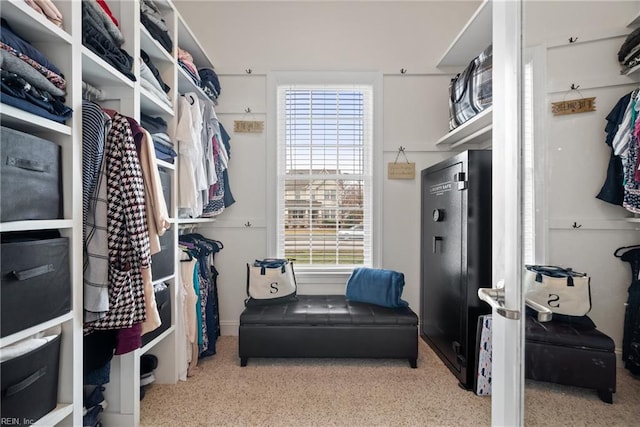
{"x":328,"y":326}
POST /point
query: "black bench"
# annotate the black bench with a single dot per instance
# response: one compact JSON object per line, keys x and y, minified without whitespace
{"x":570,"y":351}
{"x":328,"y":326}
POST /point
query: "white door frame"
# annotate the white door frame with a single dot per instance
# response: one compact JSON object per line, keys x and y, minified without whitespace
{"x":507,"y":400}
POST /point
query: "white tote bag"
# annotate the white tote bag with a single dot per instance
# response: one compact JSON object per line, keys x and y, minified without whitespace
{"x":561,"y":290}
{"x":270,"y":280}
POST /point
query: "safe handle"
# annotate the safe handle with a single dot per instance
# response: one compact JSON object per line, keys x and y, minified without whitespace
{"x":436,"y":239}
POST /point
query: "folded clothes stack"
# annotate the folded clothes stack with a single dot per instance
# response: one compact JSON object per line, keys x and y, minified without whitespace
{"x":209,"y":83}
{"x":629,"y":53}
{"x":48,"y":9}
{"x":185,"y":61}
{"x":149,"y":82}
{"x":162,"y":143}
{"x":30,"y":81}
{"x":156,"y":74}
{"x":153,"y":21}
{"x":101,"y":35}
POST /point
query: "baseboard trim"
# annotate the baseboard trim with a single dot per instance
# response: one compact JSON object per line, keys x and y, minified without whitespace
{"x":229,"y":327}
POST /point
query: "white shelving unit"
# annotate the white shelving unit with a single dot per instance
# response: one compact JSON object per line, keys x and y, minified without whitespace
{"x":476,"y":131}
{"x":62,"y":47}
{"x":472,"y":39}
{"x":123,"y":391}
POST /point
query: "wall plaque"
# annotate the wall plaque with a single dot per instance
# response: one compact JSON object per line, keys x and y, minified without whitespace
{"x":573,"y":106}
{"x":248,"y":126}
{"x":404,"y":170}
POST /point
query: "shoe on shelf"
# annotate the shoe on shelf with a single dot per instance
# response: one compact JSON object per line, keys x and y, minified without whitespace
{"x":148,"y":362}
{"x":90,"y":419}
{"x":146,"y":379}
{"x":95,"y":398}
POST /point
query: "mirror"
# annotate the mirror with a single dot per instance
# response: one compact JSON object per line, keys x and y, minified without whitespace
{"x":571,"y":54}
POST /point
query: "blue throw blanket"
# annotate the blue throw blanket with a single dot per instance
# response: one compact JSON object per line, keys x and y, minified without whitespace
{"x":376,"y":286}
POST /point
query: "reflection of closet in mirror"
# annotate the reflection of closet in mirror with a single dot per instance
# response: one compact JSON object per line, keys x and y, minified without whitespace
{"x":569,"y":44}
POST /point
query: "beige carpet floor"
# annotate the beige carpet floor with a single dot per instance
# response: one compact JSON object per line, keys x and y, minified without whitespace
{"x":357,"y":392}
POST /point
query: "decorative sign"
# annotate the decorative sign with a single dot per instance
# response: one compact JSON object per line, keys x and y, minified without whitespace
{"x":573,"y":106}
{"x":401,"y":170}
{"x":248,"y":126}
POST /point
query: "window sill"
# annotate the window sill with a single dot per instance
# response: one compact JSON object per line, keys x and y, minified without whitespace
{"x":314,"y":275}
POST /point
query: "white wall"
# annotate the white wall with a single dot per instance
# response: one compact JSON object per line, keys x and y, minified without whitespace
{"x":265,"y":36}
{"x":336,"y":36}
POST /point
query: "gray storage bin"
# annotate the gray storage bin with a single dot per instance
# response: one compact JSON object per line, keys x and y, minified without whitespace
{"x":35,"y":285}
{"x":30,"y":177}
{"x":30,"y":384}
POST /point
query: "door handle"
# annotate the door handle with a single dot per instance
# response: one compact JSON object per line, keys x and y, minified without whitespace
{"x":495,"y":298}
{"x":544,"y":314}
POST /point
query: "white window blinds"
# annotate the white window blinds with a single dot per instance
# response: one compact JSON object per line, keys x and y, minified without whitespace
{"x":325,"y":174}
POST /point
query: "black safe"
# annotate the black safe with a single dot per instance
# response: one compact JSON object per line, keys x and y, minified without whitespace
{"x":455,"y":257}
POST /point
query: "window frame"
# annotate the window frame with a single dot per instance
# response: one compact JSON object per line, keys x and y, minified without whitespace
{"x":322,"y":273}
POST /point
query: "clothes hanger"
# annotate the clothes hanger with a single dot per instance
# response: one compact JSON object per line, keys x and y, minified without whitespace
{"x":624,"y":248}
{"x":211,"y":241}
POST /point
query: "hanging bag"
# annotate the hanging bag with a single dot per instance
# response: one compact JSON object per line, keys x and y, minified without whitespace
{"x":270,"y":280}
{"x":562,"y":290}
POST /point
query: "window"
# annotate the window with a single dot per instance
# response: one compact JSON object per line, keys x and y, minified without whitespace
{"x":325,"y":175}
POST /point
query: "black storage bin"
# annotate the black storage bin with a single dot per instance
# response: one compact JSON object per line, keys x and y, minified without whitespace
{"x":35,"y":284}
{"x":165,"y":180}
{"x":163,"y":302}
{"x":162,"y":263}
{"x":30,"y":177}
{"x":30,"y":384}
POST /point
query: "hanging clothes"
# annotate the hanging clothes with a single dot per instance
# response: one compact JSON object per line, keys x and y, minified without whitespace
{"x":95,"y":127}
{"x":631,"y":334}
{"x":622,"y":184}
{"x":191,"y":172}
{"x":205,"y":275}
{"x":127,"y":231}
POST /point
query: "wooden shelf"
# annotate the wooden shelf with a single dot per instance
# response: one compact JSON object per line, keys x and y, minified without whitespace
{"x":476,"y":130}
{"x":151,"y":46}
{"x":188,"y":42}
{"x":26,"y":333}
{"x":45,"y":224}
{"x":29,"y":122}
{"x":186,"y":84}
{"x":62,"y":411}
{"x":151,"y":105}
{"x":26,"y":22}
{"x":472,"y":40}
{"x":182,"y":221}
{"x":635,"y":21}
{"x":99,"y":73}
